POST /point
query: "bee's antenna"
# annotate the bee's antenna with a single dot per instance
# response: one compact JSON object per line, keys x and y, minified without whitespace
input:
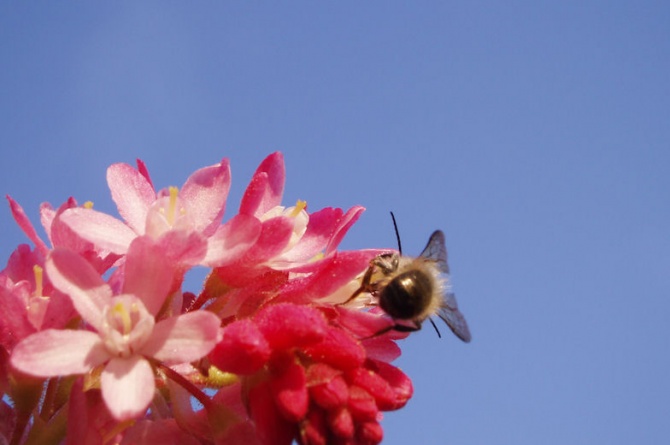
{"x":397,"y":234}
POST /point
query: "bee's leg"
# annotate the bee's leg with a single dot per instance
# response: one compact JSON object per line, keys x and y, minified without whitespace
{"x":398,"y":327}
{"x":416,"y":327}
{"x":405,"y":328}
{"x":365,"y":286}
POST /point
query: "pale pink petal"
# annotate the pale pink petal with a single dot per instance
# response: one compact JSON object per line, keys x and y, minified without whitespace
{"x":127,"y":386}
{"x":148,"y":273}
{"x":184,"y":338}
{"x":204,"y":195}
{"x":48,"y":215}
{"x":75,"y":277}
{"x":59,"y":352}
{"x":59,"y":311}
{"x":24,"y":223}
{"x":103,"y":230}
{"x":232,"y":240}
{"x":182,"y":247}
{"x":62,"y":235}
{"x":185,"y":413}
{"x":132,"y":193}
{"x":266,"y":187}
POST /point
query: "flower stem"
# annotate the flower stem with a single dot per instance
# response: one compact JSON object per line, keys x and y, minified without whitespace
{"x":187,"y":385}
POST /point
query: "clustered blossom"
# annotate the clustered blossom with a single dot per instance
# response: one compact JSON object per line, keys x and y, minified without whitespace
{"x":100,"y":343}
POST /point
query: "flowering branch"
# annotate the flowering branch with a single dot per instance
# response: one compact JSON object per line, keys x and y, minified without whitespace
{"x":273,"y":346}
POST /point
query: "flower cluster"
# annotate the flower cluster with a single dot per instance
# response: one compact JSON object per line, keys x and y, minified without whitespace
{"x":101,"y":344}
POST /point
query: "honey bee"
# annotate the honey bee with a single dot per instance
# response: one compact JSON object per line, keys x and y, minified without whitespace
{"x":413,"y":289}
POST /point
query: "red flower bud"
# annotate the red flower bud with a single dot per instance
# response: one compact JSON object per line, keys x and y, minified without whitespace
{"x":288,"y":325}
{"x":243,"y":349}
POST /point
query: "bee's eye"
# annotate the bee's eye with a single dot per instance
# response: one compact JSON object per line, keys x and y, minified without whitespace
{"x":407,"y":295}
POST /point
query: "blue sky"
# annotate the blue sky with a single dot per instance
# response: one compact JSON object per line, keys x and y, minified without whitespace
{"x":535,"y":134}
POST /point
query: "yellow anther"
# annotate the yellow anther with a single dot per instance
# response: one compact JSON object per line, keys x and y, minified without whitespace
{"x":39,"y":280}
{"x":317,"y":257}
{"x":218,"y":378}
{"x":88,"y":205}
{"x":172,"y":211}
{"x":120,"y":311}
{"x":299,"y":207}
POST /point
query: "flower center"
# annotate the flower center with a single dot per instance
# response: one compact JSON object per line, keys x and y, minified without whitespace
{"x":121,"y":319}
{"x":171,"y":215}
{"x":127,"y":325}
{"x":38,"y":303}
{"x":167,"y":214}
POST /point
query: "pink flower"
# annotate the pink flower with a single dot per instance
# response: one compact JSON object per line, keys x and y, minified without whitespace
{"x":180,"y":220}
{"x":28,"y":302}
{"x":286,"y":238}
{"x":60,"y":235}
{"x":125,"y":334}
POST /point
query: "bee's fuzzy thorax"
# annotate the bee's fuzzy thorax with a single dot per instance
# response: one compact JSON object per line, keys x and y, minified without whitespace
{"x":439,"y":283}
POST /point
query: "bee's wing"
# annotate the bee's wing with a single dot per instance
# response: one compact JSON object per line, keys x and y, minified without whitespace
{"x":454,"y":318}
{"x":436,"y":250}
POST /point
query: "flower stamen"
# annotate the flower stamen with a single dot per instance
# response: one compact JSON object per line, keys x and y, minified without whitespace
{"x":172,"y":209}
{"x":39,"y":281}
{"x":121,"y":314}
{"x":299,"y":207}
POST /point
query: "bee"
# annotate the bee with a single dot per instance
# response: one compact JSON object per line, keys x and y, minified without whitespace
{"x":413,"y":289}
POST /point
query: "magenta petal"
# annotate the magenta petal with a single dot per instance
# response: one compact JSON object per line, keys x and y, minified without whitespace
{"x":22,"y":220}
{"x":266,"y":187}
{"x":320,"y":229}
{"x":127,"y":386}
{"x":274,"y":237}
{"x":105,"y":231}
{"x":142,"y":168}
{"x":14,"y":322}
{"x":332,"y":273}
{"x":232,"y":240}
{"x":204,"y":195}
{"x":72,"y":275}
{"x":148,"y":273}
{"x":132,"y":193}
{"x":59,"y":352}
{"x":184,"y":338}
{"x":20,"y":266}
{"x":344,"y":224}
